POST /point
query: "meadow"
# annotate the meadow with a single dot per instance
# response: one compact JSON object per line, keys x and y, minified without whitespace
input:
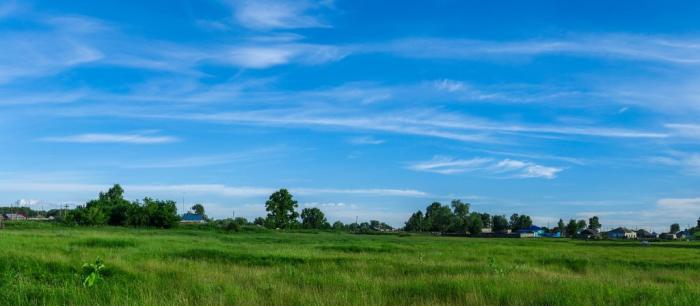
{"x":41,"y":265}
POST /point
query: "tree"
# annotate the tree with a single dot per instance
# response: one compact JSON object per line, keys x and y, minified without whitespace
{"x":594,"y":223}
{"x":439,"y":217}
{"x":162,"y":214}
{"x":460,"y":220}
{"x":312,"y":218}
{"x":338,"y":226}
{"x":524,"y":221}
{"x":475,"y":224}
{"x":513,"y":223}
{"x":520,"y":222}
{"x":499,"y":223}
{"x":281,"y":209}
{"x":486,"y":220}
{"x":571,"y":228}
{"x":111,"y":205}
{"x":259,"y":221}
{"x":675,"y":228}
{"x":580,"y":225}
{"x":199,"y":209}
{"x":561,"y":226}
{"x":415,"y":222}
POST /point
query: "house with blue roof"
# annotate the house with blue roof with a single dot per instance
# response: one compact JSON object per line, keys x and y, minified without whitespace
{"x":531,"y":231}
{"x":192,"y":218}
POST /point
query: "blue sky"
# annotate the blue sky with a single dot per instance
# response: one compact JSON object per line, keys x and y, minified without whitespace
{"x":368,"y":109}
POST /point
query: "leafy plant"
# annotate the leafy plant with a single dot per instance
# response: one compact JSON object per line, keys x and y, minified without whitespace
{"x":92,"y":273}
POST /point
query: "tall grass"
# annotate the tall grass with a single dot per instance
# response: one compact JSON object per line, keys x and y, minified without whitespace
{"x":41,"y":265}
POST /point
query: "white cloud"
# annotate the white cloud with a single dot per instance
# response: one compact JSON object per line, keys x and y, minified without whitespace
{"x":276,"y":14}
{"x":685,"y":129}
{"x":448,"y":165}
{"x":268,"y":55}
{"x":206,"y":160}
{"x":112,"y":138}
{"x":688,"y":205}
{"x":688,"y":163}
{"x":515,"y":168}
{"x":366,"y":140}
{"x":27,"y":202}
{"x":177,"y":190}
{"x":449,"y":85}
{"x":658,"y":218}
{"x":616,"y":46}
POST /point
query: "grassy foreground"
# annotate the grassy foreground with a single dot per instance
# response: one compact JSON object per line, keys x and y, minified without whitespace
{"x":41,"y":266}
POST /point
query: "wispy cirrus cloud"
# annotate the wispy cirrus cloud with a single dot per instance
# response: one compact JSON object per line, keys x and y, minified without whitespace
{"x":112,"y":138}
{"x":687,"y":162}
{"x":204,"y":160}
{"x":508,"y":167}
{"x":366,"y":140}
{"x":609,"y":45}
{"x":277,"y":14}
{"x":176,"y":190}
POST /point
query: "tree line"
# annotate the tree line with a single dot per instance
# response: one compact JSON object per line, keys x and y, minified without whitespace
{"x":456,"y":218}
{"x":110,"y":208}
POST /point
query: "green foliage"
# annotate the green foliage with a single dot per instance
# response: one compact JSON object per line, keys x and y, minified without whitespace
{"x":338,"y":226}
{"x":312,"y":218}
{"x":110,"y":208}
{"x":281,"y":210}
{"x":199,"y":209}
{"x":675,"y":228}
{"x":518,"y":222}
{"x":438,"y":217}
{"x":499,"y":223}
{"x":92,"y":273}
{"x":562,"y":227}
{"x":415,"y":222}
{"x":474,"y":223}
{"x":594,"y":223}
{"x":572,"y":228}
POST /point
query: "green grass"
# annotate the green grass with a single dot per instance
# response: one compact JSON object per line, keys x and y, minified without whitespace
{"x":41,"y":265}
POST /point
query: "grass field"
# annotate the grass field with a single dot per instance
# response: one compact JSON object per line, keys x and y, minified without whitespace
{"x":42,"y":265}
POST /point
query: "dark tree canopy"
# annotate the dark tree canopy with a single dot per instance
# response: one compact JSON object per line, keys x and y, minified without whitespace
{"x":675,"y":228}
{"x":475,"y":225}
{"x":486,"y":220}
{"x":112,"y":209}
{"x":562,"y":227}
{"x":281,"y":210}
{"x":500,"y":223}
{"x":518,"y":222}
{"x":572,"y":228}
{"x":415,"y":222}
{"x":198,"y":209}
{"x":312,"y":218}
{"x":594,"y":223}
{"x":438,"y":217}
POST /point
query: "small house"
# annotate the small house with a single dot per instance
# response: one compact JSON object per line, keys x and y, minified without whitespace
{"x":682,"y":235}
{"x":19,"y":216}
{"x":589,"y":233}
{"x":667,"y":236}
{"x":531,"y":231}
{"x":622,"y":233}
{"x":644,"y":234}
{"x":192,"y":218}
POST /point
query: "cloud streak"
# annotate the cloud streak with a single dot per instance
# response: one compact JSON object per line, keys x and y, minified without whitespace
{"x":276,"y":14}
{"x":509,"y":167}
{"x":112,"y":138}
{"x":614,"y":46}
